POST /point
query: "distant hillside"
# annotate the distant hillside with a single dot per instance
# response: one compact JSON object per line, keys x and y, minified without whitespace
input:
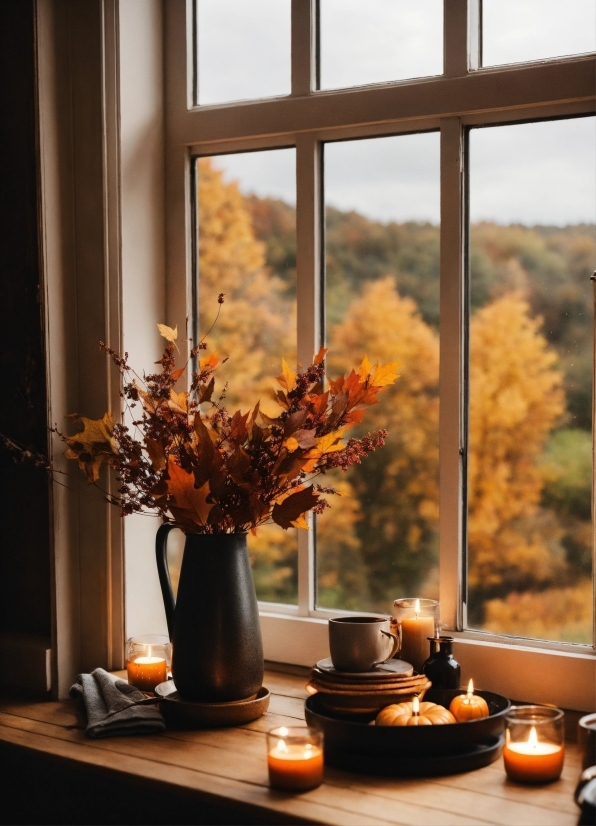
{"x":552,"y":265}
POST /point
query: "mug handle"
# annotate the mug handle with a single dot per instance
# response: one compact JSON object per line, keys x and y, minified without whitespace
{"x":394,"y":649}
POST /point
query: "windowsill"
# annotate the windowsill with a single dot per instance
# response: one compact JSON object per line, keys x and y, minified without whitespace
{"x":226,"y":769}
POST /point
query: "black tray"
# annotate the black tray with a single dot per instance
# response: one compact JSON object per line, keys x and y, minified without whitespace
{"x":353,"y":744}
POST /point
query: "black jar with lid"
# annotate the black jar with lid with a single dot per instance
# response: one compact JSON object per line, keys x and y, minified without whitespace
{"x":441,"y":668}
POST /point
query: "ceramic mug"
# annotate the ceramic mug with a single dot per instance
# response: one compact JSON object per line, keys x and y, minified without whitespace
{"x":360,"y":643}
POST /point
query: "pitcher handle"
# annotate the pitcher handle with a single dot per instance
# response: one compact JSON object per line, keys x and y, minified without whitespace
{"x":161,"y":555}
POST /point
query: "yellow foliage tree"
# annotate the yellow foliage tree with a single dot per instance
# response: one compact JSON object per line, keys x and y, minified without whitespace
{"x":516,"y":398}
{"x":258,"y":322}
{"x":397,"y":487}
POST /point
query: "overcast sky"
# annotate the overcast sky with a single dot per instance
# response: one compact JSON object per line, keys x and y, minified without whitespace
{"x":535,"y":173}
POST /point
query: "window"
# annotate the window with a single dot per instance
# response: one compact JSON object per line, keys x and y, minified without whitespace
{"x":411,"y":196}
{"x":447,"y":141}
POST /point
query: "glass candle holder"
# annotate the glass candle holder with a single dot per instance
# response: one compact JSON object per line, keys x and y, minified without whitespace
{"x":534,"y":744}
{"x":295,"y":758}
{"x":148,"y":660}
{"x":416,"y":621}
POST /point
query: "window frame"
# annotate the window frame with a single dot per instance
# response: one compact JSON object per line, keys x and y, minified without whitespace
{"x":306,"y":119}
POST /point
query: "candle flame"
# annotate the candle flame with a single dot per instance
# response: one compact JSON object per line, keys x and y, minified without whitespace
{"x":281,"y":746}
{"x":415,"y":707}
{"x":533,"y":738}
{"x":470,"y":688}
{"x":417,"y":607}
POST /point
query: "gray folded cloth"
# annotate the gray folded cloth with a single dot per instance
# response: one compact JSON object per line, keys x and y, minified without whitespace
{"x":112,"y":706}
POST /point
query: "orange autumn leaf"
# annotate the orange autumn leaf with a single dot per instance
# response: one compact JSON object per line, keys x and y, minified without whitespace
{"x":179,"y":485}
{"x":209,"y":361}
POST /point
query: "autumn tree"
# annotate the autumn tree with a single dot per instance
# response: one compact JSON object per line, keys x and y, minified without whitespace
{"x":516,"y":398}
{"x":258,"y":324}
{"x":397,"y":488}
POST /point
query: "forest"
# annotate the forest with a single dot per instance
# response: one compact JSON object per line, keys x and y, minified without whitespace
{"x":530,"y":379}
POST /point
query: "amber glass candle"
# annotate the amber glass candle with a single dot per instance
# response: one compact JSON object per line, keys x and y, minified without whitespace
{"x":147,"y":661}
{"x":417,"y":619}
{"x":534,"y":749}
{"x":295,"y":758}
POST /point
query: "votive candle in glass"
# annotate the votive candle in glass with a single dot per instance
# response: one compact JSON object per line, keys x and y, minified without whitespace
{"x":148,"y":658}
{"x":534,"y":748}
{"x":417,"y":619}
{"x":295,"y":758}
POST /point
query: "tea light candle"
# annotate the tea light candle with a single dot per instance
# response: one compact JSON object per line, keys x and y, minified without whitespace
{"x":146,"y":672}
{"x":533,"y":761}
{"x":295,"y":758}
{"x":414,"y":637}
{"x":534,"y":749}
{"x":468,"y":706}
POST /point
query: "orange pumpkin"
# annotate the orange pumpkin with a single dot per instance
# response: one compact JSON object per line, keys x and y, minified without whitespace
{"x":469,"y":706}
{"x":404,"y":714}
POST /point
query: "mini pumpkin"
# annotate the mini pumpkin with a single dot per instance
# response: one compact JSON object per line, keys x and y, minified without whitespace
{"x":406,"y":714}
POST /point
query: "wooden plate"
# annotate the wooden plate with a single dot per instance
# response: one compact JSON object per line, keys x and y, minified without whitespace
{"x":177,"y":711}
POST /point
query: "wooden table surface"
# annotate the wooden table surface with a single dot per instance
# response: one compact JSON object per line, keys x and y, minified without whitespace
{"x":230,"y":765}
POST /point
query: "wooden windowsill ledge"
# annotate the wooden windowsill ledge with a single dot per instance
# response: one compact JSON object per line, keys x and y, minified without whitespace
{"x":221,"y":776}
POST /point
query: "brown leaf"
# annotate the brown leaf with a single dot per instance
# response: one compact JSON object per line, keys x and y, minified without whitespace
{"x":295,"y":421}
{"x":294,"y":506}
{"x":238,"y":429}
{"x":156,"y":453}
{"x":206,"y":391}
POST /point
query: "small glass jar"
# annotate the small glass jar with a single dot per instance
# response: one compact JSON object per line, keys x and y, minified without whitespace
{"x":441,"y":668}
{"x":148,"y":660}
{"x":534,"y":749}
{"x":416,"y":620}
{"x":295,"y":758}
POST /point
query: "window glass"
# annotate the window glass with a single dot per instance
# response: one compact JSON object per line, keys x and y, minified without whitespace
{"x":243,"y":49}
{"x":515,"y":31}
{"x":379,"y":541}
{"x":374,"y":41}
{"x":247,"y":250}
{"x":532,"y":250}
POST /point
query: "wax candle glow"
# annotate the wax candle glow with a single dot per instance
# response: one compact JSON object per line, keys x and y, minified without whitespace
{"x":295,"y":758}
{"x":535,"y":755}
{"x":468,"y":706}
{"x":147,"y":661}
{"x":418,"y":620}
{"x":146,"y":672}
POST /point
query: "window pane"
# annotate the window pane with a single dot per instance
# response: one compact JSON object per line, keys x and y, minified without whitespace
{"x":378,"y":541}
{"x":515,"y":31}
{"x":247,"y":250}
{"x":374,"y":41}
{"x":532,"y":250}
{"x":243,"y":49}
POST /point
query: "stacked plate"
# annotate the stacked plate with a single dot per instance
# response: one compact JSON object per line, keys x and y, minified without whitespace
{"x":347,"y":693}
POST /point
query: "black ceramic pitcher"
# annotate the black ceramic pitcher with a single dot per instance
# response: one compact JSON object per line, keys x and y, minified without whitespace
{"x":214,"y":621}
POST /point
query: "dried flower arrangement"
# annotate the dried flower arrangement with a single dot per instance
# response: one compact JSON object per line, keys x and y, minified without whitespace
{"x":212,"y":472}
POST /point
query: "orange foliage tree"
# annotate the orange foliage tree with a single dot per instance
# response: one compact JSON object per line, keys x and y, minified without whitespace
{"x":397,"y":519}
{"x":516,"y":398}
